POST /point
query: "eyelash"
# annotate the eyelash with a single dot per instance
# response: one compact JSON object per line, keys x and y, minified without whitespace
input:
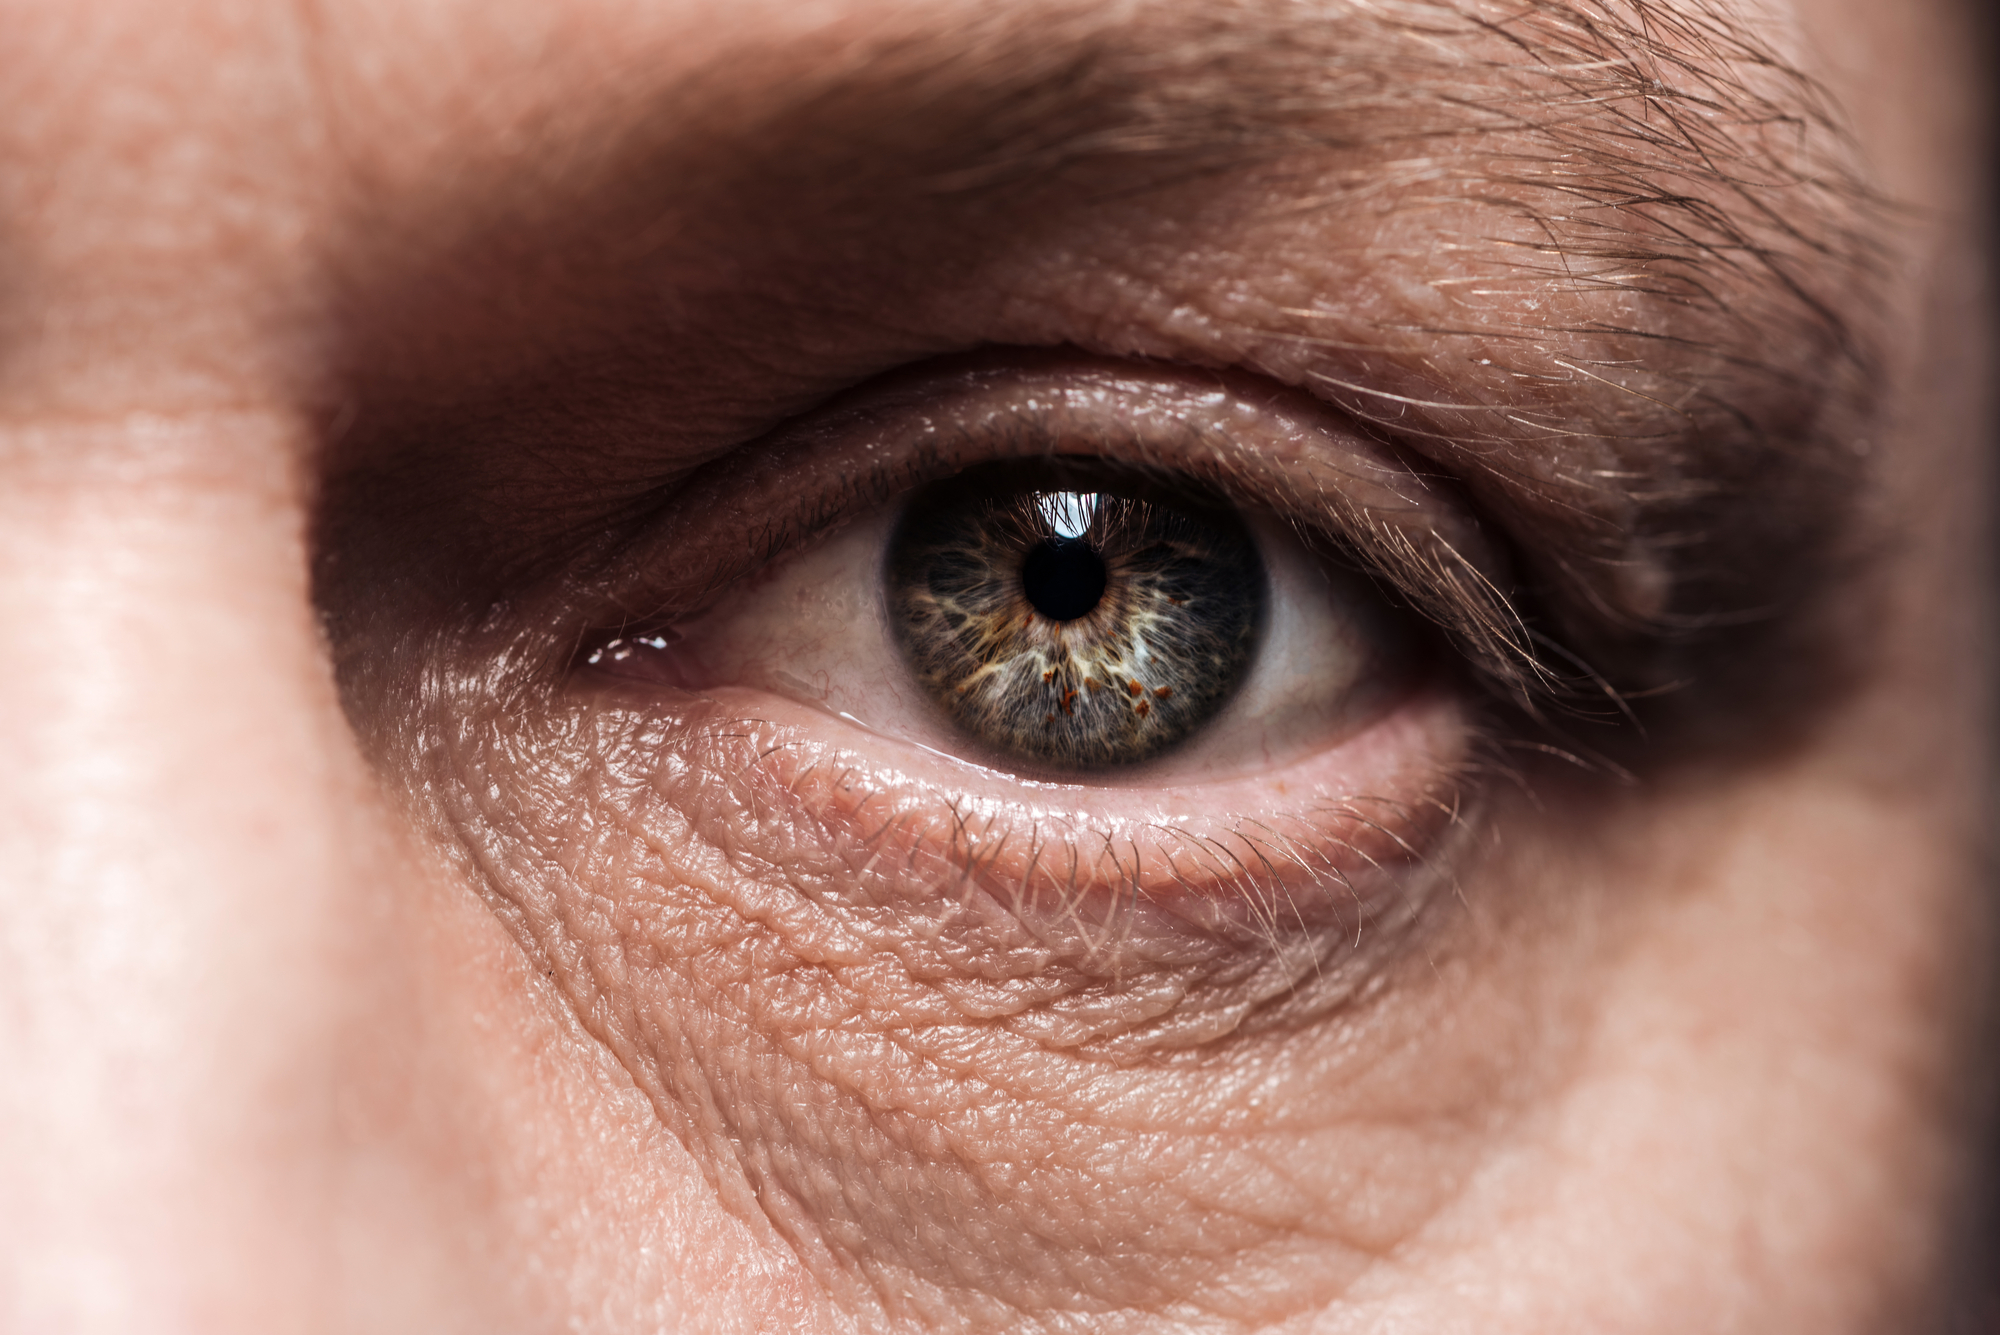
{"x":1357,"y":502}
{"x":1296,"y":889}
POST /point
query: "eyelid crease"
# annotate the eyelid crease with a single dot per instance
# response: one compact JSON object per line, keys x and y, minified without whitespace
{"x":1257,"y":444}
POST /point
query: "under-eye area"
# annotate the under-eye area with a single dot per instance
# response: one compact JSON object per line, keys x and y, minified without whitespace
{"x":900,"y":1007}
{"x":958,"y":856}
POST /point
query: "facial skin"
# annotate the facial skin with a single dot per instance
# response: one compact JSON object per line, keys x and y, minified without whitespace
{"x":1605,"y":950}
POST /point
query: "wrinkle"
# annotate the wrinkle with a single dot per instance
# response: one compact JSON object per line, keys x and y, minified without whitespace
{"x":959,"y":1165}
{"x":1610,"y":183}
{"x":788,"y":1018}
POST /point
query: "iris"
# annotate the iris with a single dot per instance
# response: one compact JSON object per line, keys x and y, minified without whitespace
{"x":1069,"y":616}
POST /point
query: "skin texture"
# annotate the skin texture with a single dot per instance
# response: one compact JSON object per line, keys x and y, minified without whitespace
{"x":368,"y":966}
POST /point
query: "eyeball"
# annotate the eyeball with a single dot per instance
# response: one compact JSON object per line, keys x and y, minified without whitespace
{"x":1075,"y":617}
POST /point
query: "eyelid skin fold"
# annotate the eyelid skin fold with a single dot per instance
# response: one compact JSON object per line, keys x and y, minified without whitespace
{"x":1243,"y":438}
{"x":1301,"y":877}
{"x":1276,"y":882}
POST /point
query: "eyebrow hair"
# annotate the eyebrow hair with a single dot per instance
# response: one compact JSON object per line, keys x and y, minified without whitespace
{"x":1653,"y":157}
{"x":1692,"y":194}
{"x":1655,"y":363}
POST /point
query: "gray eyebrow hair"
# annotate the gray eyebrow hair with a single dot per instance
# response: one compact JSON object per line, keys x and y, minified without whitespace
{"x":1672,"y":253}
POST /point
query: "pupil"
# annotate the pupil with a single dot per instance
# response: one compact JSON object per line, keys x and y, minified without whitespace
{"x":1063,"y":578}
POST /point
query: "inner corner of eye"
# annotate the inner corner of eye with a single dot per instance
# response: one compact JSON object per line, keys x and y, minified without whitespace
{"x":1073,"y":617}
{"x":646,"y":653}
{"x":623,"y":646}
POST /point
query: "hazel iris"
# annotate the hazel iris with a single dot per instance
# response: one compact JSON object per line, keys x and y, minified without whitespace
{"x":1063,"y":615}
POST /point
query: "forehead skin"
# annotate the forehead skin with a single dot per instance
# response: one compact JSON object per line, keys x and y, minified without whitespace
{"x":263,"y":1074}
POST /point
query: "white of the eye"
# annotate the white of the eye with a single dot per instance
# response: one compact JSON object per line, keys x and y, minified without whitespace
{"x":1069,"y":513}
{"x":818,"y":630}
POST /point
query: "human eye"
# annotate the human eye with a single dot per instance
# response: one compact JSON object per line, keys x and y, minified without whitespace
{"x":1078,"y":652}
{"x":865,"y":946}
{"x":1055,"y":776}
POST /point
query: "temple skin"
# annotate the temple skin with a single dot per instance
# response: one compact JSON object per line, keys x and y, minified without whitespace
{"x":321,"y":325}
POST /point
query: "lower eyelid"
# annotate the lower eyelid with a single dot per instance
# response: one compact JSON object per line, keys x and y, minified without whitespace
{"x":790,"y":942}
{"x":1242,"y":439}
{"x":1300,"y":867}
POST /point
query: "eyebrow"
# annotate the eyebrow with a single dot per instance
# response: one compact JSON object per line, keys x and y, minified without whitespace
{"x":1657,"y":354}
{"x":1694,"y":196}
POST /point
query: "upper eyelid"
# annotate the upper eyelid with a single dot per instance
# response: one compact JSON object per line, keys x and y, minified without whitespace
{"x":1752,"y":301}
{"x":1290,"y":456}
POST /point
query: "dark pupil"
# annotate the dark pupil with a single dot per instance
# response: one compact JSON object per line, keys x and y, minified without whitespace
{"x":1063,"y":578}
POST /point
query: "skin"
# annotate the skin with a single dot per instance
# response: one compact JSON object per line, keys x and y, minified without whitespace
{"x":335,"y":340}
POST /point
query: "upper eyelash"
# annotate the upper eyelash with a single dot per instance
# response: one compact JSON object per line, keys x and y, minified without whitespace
{"x":1423,"y":563}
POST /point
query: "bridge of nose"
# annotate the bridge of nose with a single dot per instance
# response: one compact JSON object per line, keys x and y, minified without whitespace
{"x":213,"y":953}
